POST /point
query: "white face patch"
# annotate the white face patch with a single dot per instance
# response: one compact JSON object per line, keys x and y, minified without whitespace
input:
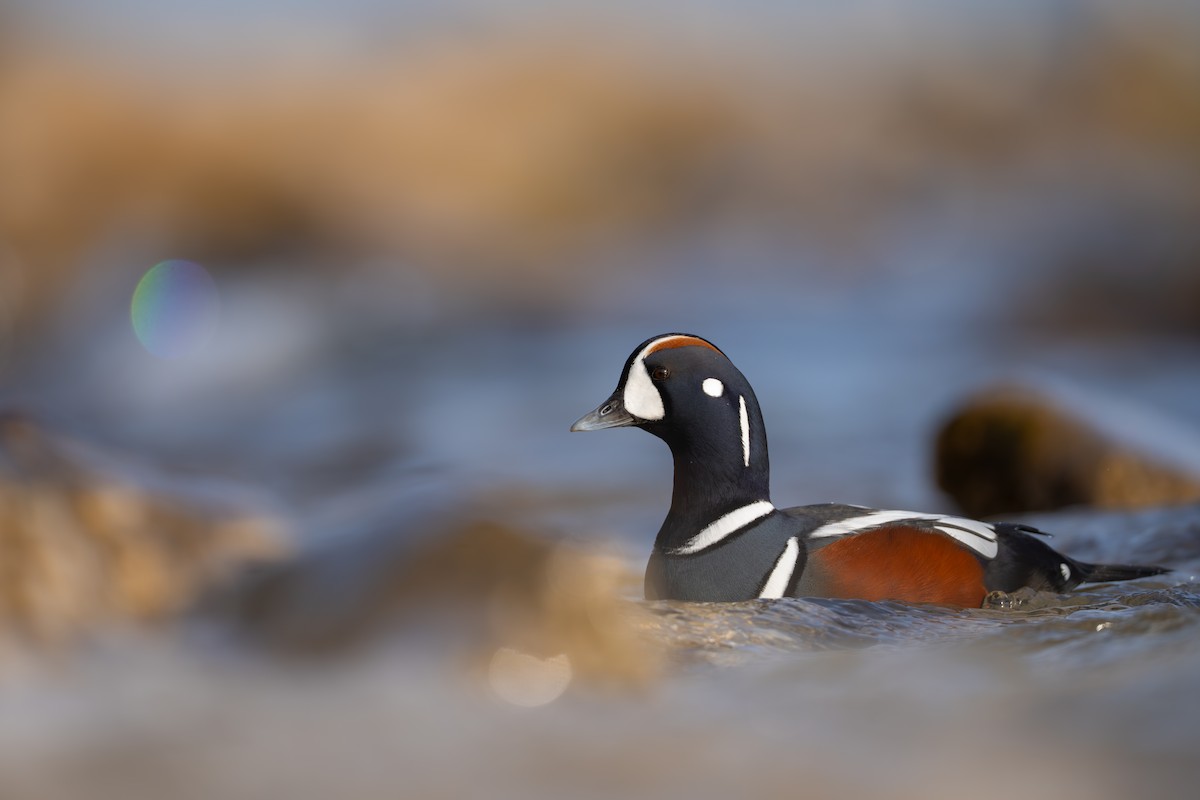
{"x":745,"y":420}
{"x":713,"y":387}
{"x":641,"y":395}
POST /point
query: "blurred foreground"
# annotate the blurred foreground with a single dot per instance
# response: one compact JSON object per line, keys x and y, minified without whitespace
{"x":439,"y":656}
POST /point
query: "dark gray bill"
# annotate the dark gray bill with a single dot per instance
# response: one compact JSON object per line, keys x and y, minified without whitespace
{"x":610,"y":414}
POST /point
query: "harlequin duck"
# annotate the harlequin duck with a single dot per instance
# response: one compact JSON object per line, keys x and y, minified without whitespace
{"x":724,"y":540}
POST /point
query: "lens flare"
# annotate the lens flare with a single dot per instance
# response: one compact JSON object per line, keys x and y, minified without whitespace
{"x":175,"y":308}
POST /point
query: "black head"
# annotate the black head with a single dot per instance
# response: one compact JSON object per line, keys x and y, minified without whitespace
{"x":684,"y":390}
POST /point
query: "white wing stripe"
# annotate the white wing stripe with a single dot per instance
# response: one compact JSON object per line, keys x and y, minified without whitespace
{"x":871,"y":520}
{"x":781,"y":574}
{"x":984,"y":547}
{"x":723,"y":526}
{"x":974,"y":526}
{"x":979,"y":536}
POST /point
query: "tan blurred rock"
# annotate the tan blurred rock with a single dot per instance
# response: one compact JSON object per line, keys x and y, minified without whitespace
{"x":1014,"y":449}
{"x":81,"y":550}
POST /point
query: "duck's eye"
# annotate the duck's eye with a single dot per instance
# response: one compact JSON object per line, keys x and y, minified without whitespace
{"x":660,"y":373}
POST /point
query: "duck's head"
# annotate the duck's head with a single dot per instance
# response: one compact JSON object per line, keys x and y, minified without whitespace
{"x":684,"y":390}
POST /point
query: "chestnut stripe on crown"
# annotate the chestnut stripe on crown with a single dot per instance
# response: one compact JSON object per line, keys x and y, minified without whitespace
{"x":680,"y":340}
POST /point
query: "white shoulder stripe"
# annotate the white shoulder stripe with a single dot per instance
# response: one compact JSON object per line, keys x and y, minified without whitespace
{"x":723,"y":526}
{"x":979,"y":536}
{"x":781,"y":575}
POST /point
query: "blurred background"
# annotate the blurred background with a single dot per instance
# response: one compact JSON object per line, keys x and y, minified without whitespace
{"x":401,"y":246}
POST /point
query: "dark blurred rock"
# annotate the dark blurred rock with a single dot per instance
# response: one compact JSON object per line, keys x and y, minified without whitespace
{"x":82,"y":549}
{"x":1012,"y":449}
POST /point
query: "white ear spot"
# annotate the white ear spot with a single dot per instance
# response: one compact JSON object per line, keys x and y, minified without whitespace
{"x":713,"y":387}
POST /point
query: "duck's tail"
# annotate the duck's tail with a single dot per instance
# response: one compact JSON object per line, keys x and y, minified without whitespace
{"x":1025,"y":560}
{"x":1096,"y":573}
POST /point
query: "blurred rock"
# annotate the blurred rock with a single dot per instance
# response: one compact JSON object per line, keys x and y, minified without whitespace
{"x":485,"y":586}
{"x":82,"y":549}
{"x":1014,"y":448}
{"x":85,"y":547}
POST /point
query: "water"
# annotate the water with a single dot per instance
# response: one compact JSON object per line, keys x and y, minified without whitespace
{"x":1093,"y":694}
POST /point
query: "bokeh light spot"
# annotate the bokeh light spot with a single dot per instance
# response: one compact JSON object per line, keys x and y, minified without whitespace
{"x":526,"y":680}
{"x":175,"y":308}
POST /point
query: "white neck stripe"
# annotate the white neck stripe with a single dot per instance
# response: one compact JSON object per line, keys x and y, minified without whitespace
{"x":781,"y":575}
{"x":723,"y":526}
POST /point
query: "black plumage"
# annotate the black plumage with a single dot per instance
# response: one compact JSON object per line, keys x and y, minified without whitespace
{"x":724,"y":540}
